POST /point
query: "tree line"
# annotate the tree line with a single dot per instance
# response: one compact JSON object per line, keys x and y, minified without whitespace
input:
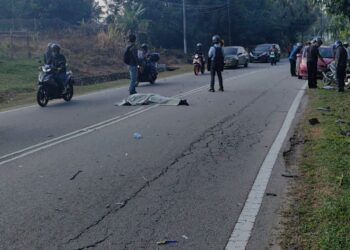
{"x":160,"y":22}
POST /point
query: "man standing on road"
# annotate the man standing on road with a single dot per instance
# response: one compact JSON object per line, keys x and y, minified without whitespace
{"x":216,"y":60}
{"x":131,"y":59}
{"x":293,"y":58}
{"x":341,"y":60}
{"x":312,"y":57}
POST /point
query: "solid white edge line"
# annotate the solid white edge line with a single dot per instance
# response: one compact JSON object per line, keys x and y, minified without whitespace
{"x":245,"y":224}
{"x":87,"y":130}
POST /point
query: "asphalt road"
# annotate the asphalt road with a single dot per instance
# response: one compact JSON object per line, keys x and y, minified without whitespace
{"x":73,"y":176}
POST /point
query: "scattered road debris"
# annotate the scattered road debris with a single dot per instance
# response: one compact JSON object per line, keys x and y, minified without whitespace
{"x":325,"y":109}
{"x":75,"y":175}
{"x":314,"y":121}
{"x":185,"y":237}
{"x":290,"y":175}
{"x":341,"y":121}
{"x":137,"y":136}
{"x":345,"y":133}
{"x":164,"y":242}
{"x":271,"y":194}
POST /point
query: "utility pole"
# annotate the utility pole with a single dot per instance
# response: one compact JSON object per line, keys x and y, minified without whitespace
{"x":229,"y":22}
{"x":185,"y":26}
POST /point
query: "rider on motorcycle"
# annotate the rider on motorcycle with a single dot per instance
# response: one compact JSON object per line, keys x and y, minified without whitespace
{"x":59,"y":66}
{"x":273,"y":54}
{"x":144,"y":57}
{"x":200,"y":53}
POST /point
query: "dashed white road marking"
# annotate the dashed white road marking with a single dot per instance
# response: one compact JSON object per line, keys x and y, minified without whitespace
{"x":87,"y":130}
{"x":244,"y":226}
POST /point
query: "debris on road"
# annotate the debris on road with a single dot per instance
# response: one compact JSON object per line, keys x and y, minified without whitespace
{"x":329,"y":87}
{"x":271,"y":194}
{"x":345,"y":133}
{"x":164,"y":242}
{"x":185,"y":237}
{"x":290,"y":175}
{"x":126,"y":154}
{"x":325,"y":109}
{"x":75,"y":175}
{"x":341,"y":121}
{"x":314,"y":121}
{"x":137,"y":136}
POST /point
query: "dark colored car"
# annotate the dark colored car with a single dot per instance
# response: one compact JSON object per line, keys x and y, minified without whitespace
{"x":235,"y":56}
{"x":262,"y":51}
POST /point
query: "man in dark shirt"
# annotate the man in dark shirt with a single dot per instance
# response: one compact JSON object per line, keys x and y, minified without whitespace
{"x":133,"y":63}
{"x":312,"y":57}
{"x":59,"y":62}
{"x":341,"y":59}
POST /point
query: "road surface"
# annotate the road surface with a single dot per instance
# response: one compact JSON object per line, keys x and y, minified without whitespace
{"x":73,"y":176}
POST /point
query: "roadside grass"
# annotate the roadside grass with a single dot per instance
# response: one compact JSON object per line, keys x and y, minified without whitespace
{"x":18,"y":79}
{"x":319,"y":213}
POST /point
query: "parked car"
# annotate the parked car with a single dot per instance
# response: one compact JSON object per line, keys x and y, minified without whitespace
{"x":301,"y":67}
{"x":235,"y":56}
{"x":261,"y":53}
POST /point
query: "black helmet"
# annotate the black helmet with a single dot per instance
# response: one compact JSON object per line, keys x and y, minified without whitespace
{"x":55,"y":48}
{"x":338,"y":43}
{"x":317,"y":40}
{"x":199,"y":45}
{"x":132,"y":38}
{"x":144,"y":46}
{"x":216,"y":39}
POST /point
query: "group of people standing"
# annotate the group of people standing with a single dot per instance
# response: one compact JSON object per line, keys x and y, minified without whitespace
{"x":215,"y":62}
{"x":341,"y":57}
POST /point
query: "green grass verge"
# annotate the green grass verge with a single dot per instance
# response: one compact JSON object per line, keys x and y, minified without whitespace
{"x":319,"y":217}
{"x":18,"y":79}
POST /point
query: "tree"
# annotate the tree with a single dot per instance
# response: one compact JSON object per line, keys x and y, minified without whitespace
{"x":335,"y":7}
{"x":66,"y":10}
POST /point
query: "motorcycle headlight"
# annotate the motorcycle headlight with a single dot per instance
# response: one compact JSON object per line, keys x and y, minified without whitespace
{"x":196,"y":56}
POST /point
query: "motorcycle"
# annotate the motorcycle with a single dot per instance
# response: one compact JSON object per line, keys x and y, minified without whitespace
{"x":148,"y":71}
{"x":198,"y":64}
{"x":273,"y":58}
{"x":49,"y":89}
{"x":329,"y":76}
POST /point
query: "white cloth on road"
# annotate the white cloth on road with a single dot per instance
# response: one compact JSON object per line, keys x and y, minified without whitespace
{"x":145,"y":99}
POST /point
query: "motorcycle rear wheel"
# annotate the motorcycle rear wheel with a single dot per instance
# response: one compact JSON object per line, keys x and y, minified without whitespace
{"x":42,"y":97}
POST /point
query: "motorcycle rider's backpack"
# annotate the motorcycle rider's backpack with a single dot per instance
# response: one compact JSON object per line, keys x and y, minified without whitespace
{"x":219,"y":59}
{"x":127,"y":56}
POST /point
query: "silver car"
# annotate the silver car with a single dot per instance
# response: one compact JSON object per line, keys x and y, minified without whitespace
{"x":235,"y":56}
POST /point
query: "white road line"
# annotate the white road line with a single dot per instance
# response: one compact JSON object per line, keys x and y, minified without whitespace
{"x":87,"y":130}
{"x":244,"y":226}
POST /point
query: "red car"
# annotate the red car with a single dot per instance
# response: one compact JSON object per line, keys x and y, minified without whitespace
{"x":301,"y":67}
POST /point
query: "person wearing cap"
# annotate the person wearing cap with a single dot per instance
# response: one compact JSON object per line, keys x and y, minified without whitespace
{"x":293,"y":58}
{"x":341,"y":60}
{"x":312,"y":57}
{"x":216,"y":58}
